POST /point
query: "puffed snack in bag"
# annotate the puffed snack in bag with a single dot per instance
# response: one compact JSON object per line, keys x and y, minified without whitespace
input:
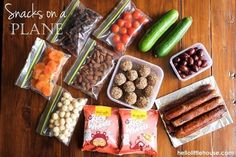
{"x":139,"y":131}
{"x":101,"y":129}
{"x":60,"y":116}
{"x":42,"y":68}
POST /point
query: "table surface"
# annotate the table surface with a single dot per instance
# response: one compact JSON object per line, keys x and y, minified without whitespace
{"x":214,"y":25}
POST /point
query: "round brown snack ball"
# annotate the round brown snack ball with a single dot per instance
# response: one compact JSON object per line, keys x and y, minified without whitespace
{"x":141,"y":82}
{"x":144,"y":70}
{"x":130,"y":98}
{"x":148,"y":91}
{"x":126,"y":65}
{"x":142,"y":102}
{"x":132,"y":75}
{"x":152,"y":79}
{"x":120,"y":79}
{"x":116,"y":92}
{"x":129,"y":86}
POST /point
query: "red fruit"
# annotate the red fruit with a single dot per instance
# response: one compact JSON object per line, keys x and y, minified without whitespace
{"x":115,"y":28}
{"x":137,"y":14}
{"x":123,"y":30}
{"x":116,"y":38}
{"x":143,"y":20}
{"x":128,"y":24}
{"x":125,"y":38}
{"x":136,"y":24}
{"x":127,"y":16}
{"x":132,"y":31}
{"x":120,"y":22}
{"x":120,"y":47}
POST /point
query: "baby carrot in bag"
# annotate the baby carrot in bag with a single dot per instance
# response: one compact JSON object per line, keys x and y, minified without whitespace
{"x":42,"y":68}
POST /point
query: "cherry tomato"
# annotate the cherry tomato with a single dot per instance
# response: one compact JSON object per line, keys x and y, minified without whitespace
{"x":120,"y":47}
{"x":136,"y":24}
{"x":123,"y":30}
{"x":128,"y":24}
{"x":137,"y":14}
{"x":115,"y":28}
{"x":125,"y":38}
{"x":120,"y":22}
{"x":116,"y":38}
{"x":132,"y":31}
{"x":127,"y":16}
{"x":143,"y":20}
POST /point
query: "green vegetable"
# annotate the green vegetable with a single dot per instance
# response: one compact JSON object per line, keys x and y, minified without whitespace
{"x":175,"y":35}
{"x":157,"y":30}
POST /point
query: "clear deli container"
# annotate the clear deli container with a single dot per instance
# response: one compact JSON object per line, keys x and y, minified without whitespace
{"x":206,"y":57}
{"x":136,"y":61}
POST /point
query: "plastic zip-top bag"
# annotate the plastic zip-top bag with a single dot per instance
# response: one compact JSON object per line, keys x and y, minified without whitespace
{"x":121,"y":26}
{"x":91,"y":68}
{"x":42,"y":68}
{"x":60,"y":116}
{"x":75,"y":27}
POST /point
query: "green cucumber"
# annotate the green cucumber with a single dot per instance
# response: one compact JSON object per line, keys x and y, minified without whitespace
{"x":168,"y":43}
{"x":157,"y":30}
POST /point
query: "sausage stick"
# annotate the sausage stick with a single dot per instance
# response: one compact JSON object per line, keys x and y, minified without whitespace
{"x":200,"y":122}
{"x":207,"y":106}
{"x":170,"y":128}
{"x":186,"y":97}
{"x":190,"y":104}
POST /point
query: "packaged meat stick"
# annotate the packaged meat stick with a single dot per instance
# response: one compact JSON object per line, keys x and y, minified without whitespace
{"x":193,"y":111}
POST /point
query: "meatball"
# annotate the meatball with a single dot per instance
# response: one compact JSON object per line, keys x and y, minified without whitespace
{"x":130,"y":98}
{"x":132,"y":75}
{"x":120,"y":79}
{"x":116,"y":92}
{"x":141,"y":82}
{"x":129,"y":86}
{"x":144,"y":70}
{"x":148,"y":91}
{"x":126,"y":65}
{"x":152,"y":79}
{"x":142,"y":102}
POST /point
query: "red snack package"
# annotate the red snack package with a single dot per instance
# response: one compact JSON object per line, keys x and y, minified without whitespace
{"x":139,"y":131}
{"x":101,"y":129}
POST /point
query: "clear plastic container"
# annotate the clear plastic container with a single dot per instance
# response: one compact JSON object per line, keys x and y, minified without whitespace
{"x":154,"y":69}
{"x":206,"y":57}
